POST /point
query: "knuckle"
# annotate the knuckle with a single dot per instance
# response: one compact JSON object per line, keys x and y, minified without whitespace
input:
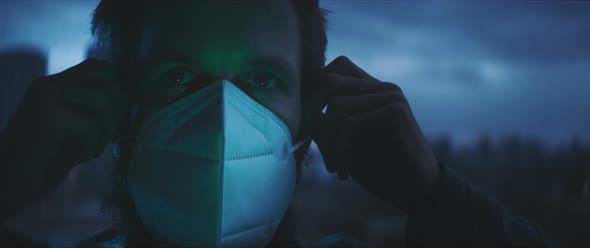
{"x":400,"y":97}
{"x":340,"y":63}
{"x":90,"y":62}
{"x":87,"y":61}
{"x":395,"y":97}
{"x":400,"y":108}
{"x":92,"y":68}
{"x":342,"y":59}
{"x":392,"y":87}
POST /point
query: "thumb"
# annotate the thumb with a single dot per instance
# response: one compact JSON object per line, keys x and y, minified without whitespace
{"x":321,"y":136}
{"x":332,"y":146}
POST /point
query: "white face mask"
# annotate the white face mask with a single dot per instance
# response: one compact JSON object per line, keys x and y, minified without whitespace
{"x":215,"y":169}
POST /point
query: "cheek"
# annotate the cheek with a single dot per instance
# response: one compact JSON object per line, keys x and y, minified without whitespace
{"x":149,"y":101}
{"x":288,"y":108}
{"x":291,"y":115}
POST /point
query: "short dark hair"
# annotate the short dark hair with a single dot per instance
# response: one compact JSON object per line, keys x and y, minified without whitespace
{"x":117,"y":25}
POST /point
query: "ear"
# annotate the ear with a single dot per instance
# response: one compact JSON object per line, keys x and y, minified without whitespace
{"x":313,"y":99}
{"x":312,"y":104}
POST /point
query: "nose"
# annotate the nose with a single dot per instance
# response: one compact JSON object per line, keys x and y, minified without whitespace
{"x":201,"y":81}
{"x":205,"y":79}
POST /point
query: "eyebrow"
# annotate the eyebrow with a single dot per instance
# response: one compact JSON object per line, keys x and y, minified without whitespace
{"x":277,"y":64}
{"x":169,"y":56}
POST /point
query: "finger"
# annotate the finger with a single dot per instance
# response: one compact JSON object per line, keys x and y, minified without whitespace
{"x":391,"y":116}
{"x":338,"y":144}
{"x":97,"y":135}
{"x":96,"y":105}
{"x":93,"y":74}
{"x":344,"y":66}
{"x":78,"y":147}
{"x":87,"y":136}
{"x":123,"y":97}
{"x":358,"y":104}
{"x":105,"y":73}
{"x":79,"y":133}
{"x":339,"y":85}
{"x":330,"y":139}
{"x":315,"y":102}
{"x":318,"y":100}
{"x":333,"y":143}
{"x":89,"y":68}
{"x":97,"y":89}
{"x":120,"y":105}
{"x":322,"y":136}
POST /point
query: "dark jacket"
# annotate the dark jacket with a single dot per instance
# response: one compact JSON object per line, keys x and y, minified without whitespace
{"x":460,"y":215}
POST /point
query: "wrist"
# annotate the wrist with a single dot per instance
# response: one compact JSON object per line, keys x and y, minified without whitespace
{"x":429,"y":195}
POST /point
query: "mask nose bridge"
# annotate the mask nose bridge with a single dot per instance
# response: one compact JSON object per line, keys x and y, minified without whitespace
{"x":209,"y":79}
{"x":204,"y":80}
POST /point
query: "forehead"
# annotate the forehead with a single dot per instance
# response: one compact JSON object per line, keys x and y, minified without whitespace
{"x":204,"y":31}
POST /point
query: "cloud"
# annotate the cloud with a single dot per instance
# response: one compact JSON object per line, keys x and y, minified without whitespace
{"x":471,"y":67}
{"x":463,"y":64}
{"x":518,"y":30}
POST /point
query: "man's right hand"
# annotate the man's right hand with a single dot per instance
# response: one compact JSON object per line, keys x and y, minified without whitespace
{"x":64,"y":119}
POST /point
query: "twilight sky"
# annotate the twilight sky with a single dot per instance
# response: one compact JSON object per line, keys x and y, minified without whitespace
{"x":467,"y":67}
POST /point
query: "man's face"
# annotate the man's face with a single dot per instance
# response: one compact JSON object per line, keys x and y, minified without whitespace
{"x":255,"y":44}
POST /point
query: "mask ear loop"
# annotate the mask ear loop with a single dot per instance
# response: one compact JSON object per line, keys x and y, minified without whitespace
{"x":298,"y":145}
{"x":116,"y":148}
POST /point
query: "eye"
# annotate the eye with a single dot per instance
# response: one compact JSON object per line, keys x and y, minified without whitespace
{"x":177,"y":77}
{"x":265,"y":80}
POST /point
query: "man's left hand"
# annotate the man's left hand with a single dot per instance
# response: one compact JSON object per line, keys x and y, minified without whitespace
{"x":370,"y":134}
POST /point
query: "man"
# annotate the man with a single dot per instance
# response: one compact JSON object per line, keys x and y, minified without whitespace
{"x":212,"y":105}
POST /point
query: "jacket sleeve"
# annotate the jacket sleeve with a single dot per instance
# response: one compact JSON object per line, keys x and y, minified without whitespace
{"x":461,"y":215}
